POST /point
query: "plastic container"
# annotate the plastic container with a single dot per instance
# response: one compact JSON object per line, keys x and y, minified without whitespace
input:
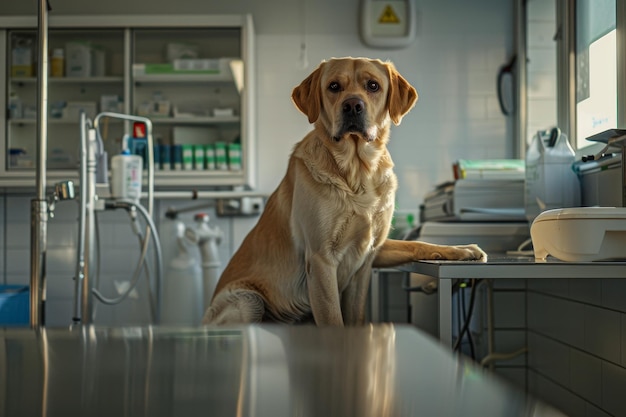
{"x":126,"y":171}
{"x":177,"y":157}
{"x":14,"y":305}
{"x":198,"y":157}
{"x":221,"y":158}
{"x":234,"y":157}
{"x":166,"y":157}
{"x":550,"y":180}
{"x":57,"y":63}
{"x":15,"y":106}
{"x":209,"y":156}
{"x":187,"y":157}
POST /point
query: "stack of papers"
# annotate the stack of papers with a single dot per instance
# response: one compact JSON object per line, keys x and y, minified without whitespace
{"x":489,"y":169}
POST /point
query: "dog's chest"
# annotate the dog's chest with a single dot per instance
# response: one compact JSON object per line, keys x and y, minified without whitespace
{"x":362,"y":227}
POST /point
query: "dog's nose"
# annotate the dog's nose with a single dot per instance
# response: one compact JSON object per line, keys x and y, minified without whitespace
{"x":353,"y":106}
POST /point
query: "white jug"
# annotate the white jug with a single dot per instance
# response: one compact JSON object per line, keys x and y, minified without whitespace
{"x":550,"y":180}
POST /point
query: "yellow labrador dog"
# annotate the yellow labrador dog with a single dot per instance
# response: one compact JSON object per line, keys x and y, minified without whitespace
{"x":310,"y":255}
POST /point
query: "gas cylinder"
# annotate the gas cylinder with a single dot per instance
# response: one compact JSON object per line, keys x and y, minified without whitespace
{"x":207,"y":238}
{"x":182,"y":286}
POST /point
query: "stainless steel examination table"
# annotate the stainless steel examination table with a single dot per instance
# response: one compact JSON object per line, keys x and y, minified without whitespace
{"x":379,"y":370}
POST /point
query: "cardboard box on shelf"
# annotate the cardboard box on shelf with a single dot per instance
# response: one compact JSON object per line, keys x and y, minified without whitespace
{"x":78,"y":59}
{"x":208,"y":66}
{"x":83,"y":59}
{"x":73,"y":109}
{"x":181,"y":50}
{"x":22,"y":60}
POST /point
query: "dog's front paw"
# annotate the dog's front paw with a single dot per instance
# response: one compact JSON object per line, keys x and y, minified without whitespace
{"x":468,"y":253}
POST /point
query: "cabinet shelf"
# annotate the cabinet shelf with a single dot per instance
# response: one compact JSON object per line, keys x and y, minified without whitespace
{"x":155,"y":120}
{"x":182,"y":78}
{"x":147,"y":69}
{"x":70,"y":80}
{"x":195,"y":120}
{"x":51,"y":121}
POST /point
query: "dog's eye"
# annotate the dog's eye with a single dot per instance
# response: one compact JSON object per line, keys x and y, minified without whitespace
{"x":373,"y":86}
{"x":334,"y":86}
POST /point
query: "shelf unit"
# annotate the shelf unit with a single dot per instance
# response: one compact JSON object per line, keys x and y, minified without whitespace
{"x":128,"y":41}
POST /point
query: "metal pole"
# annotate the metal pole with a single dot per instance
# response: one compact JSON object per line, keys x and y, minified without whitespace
{"x":521,"y":102}
{"x":566,"y":68}
{"x":89,"y":242}
{"x":620,"y":15}
{"x":82,"y":213}
{"x":39,"y":205}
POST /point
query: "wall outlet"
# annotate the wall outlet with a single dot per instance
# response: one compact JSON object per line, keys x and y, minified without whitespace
{"x":243,"y":206}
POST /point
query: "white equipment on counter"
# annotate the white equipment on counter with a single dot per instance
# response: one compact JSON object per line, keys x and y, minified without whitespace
{"x":476,"y":200}
{"x":550,"y":179}
{"x":580,"y":234}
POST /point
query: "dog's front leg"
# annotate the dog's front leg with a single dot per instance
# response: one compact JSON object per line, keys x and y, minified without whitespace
{"x":323,"y":290}
{"x":396,"y":252}
{"x":354,"y":297}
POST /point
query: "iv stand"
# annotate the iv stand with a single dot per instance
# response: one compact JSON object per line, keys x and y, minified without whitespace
{"x":39,"y":205}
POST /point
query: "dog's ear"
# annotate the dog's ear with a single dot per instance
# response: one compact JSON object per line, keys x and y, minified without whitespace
{"x":402,"y":96}
{"x":307,"y":96}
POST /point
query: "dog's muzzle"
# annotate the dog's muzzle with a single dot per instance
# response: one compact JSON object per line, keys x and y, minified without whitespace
{"x":353,"y":118}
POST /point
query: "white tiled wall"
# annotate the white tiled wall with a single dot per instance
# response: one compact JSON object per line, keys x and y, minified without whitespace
{"x":453,"y":64}
{"x":577,"y":344}
{"x":119,"y":250}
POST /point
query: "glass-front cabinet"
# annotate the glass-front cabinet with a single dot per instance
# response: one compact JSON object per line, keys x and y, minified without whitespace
{"x":192,"y":76}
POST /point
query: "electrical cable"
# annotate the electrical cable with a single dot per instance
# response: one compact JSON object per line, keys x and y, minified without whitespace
{"x":128,"y":204}
{"x":492,"y":357}
{"x":156,"y":300}
{"x":465,"y":327}
{"x":133,"y":282}
{"x":470,"y":339}
{"x":96,"y":279}
{"x":521,"y":249}
{"x":458,"y":317}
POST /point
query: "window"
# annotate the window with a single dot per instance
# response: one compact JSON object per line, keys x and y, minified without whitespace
{"x":596,"y":68}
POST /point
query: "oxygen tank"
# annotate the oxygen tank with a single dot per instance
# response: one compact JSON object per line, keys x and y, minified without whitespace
{"x":182,"y":287}
{"x":207,"y":238}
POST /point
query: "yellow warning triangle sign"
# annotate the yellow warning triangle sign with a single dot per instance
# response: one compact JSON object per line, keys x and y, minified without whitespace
{"x":388,"y":16}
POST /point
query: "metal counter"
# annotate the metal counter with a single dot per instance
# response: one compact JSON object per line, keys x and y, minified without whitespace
{"x":380,"y":370}
{"x":501,"y":266}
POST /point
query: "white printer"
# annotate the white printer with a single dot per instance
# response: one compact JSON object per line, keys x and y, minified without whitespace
{"x":476,"y":200}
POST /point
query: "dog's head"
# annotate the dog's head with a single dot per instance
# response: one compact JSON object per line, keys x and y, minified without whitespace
{"x":354,"y":96}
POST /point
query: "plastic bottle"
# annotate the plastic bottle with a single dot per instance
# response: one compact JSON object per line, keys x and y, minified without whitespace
{"x":182,"y":288}
{"x":126,"y":170}
{"x":57,"y":63}
{"x":15,"y":106}
{"x":550,"y":180}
